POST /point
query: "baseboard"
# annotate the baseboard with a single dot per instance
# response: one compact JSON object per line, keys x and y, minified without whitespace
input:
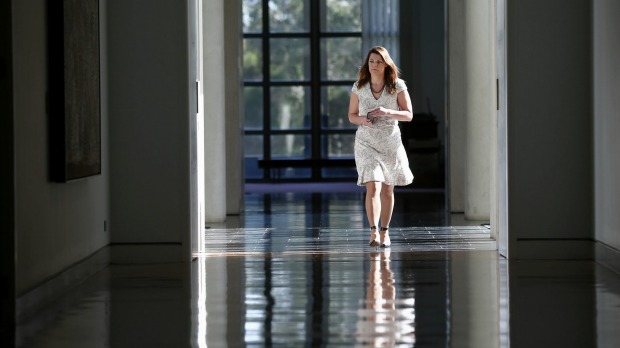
{"x":607,"y":256}
{"x":53,"y":288}
{"x":142,"y":253}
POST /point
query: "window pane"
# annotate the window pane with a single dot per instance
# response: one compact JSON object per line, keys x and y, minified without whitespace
{"x":290,"y":107}
{"x":291,"y":173}
{"x":290,"y":145}
{"x":286,"y":16}
{"x":290,"y":59}
{"x":343,"y":15}
{"x":339,"y":145}
{"x":252,"y":16}
{"x":339,"y":172}
{"x":253,"y":145}
{"x":335,"y":107}
{"x":252,"y":60}
{"x":253,"y":108}
{"x":341,"y":58}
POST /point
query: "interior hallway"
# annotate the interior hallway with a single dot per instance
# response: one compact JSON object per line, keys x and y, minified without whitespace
{"x":295,"y":271}
{"x":559,"y":186}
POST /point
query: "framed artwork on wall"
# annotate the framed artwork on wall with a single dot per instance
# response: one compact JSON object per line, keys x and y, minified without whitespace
{"x":74,"y":99}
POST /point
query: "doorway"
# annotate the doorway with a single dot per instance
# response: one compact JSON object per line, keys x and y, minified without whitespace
{"x":441,"y":83}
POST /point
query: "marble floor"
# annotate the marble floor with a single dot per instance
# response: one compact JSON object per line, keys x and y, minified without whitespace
{"x":295,"y":271}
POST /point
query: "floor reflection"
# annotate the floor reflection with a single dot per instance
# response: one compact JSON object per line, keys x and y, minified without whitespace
{"x":384,"y":320}
{"x":301,"y":275}
{"x":370,"y":299}
{"x":457,"y":298}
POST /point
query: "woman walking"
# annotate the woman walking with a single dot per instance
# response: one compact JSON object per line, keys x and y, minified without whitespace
{"x":379,"y":100}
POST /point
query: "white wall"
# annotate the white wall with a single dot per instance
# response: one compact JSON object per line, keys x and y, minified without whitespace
{"x":149,"y":107}
{"x":549,"y":115}
{"x":215,"y":110}
{"x":472,"y":106}
{"x":606,"y":84}
{"x":479,"y":107}
{"x":56,"y":224}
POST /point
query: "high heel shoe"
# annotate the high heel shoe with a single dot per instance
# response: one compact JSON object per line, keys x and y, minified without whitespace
{"x":373,"y":237}
{"x":385,"y":237}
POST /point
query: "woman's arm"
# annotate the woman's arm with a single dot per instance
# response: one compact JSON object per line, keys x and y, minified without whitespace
{"x":354,"y":112}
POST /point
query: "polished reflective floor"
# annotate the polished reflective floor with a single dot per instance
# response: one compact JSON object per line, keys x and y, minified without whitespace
{"x":295,"y":271}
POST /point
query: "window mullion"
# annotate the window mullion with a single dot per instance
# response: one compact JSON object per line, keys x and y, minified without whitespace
{"x":266,"y":90}
{"x":315,"y":52}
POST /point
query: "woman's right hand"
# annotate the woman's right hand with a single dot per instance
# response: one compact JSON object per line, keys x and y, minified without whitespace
{"x":367,"y":121}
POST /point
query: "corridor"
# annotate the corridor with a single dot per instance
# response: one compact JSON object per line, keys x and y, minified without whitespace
{"x":295,"y":271}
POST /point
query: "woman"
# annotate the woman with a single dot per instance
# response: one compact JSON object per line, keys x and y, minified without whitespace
{"x":379,"y":100}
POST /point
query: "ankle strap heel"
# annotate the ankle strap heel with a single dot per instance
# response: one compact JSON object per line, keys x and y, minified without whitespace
{"x":374,"y":242}
{"x":385,"y":242}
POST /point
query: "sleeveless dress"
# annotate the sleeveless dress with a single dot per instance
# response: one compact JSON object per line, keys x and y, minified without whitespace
{"x":379,"y":151}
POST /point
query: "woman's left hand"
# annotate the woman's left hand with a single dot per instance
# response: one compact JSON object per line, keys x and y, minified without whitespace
{"x":379,"y":112}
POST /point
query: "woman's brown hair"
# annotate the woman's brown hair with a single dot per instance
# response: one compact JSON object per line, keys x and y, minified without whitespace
{"x":391,"y":70}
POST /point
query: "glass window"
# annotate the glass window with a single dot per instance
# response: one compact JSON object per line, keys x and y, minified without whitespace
{"x":253,"y":147}
{"x":339,"y":145}
{"x":290,"y":146}
{"x":343,"y":16}
{"x":252,"y":59}
{"x":298,"y":71}
{"x":252,"y":16}
{"x":290,"y":107}
{"x":335,"y":107}
{"x":253,"y":107}
{"x":341,"y":58}
{"x":288,"y":16}
{"x":290,"y":59}
{"x":339,"y":173}
{"x":292,"y":173}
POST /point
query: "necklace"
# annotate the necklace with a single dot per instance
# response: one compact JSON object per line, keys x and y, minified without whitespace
{"x":379,"y":91}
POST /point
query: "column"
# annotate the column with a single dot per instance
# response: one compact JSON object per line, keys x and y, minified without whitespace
{"x":472,"y":105}
{"x":479,"y":64}
{"x":235,"y":170}
{"x":214,"y":84}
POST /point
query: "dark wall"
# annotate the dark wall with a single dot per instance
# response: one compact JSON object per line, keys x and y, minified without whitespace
{"x":549,"y":104}
{"x":422,"y":63}
{"x":7,"y":228}
{"x":422,"y":58}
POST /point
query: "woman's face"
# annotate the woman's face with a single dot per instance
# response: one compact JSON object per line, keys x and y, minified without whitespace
{"x":376,"y":65}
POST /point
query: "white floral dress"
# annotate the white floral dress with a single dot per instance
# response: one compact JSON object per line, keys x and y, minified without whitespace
{"x":379,"y":151}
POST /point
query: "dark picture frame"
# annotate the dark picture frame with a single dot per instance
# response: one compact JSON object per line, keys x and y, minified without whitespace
{"x":74,"y":91}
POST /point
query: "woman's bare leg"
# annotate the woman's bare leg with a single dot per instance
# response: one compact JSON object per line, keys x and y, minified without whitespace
{"x":387,"y":207}
{"x":387,"y":204}
{"x":373,"y":206}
